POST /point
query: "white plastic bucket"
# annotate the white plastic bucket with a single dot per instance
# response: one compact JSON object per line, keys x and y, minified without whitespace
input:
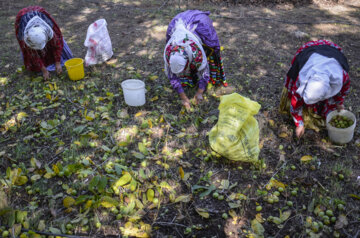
{"x":340,"y":135}
{"x":134,"y":92}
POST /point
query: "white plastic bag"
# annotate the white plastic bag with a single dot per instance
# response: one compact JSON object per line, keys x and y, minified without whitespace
{"x":98,"y":43}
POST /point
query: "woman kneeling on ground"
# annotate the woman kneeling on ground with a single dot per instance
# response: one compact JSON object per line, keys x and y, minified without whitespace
{"x":316,"y":84}
{"x":42,"y":45}
{"x":192,"y":54}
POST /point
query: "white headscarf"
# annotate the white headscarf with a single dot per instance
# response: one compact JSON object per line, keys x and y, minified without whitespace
{"x":177,"y":37}
{"x":37,"y":33}
{"x":320,"y":78}
{"x":177,"y":63}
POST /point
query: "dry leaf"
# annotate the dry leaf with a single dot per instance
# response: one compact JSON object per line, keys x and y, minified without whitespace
{"x":153,"y":77}
{"x":181,"y":172}
{"x":271,"y":123}
{"x":283,"y":135}
{"x":150,"y":195}
{"x":154,"y":98}
{"x":257,"y":228}
{"x":285,"y":215}
{"x":275,"y":183}
{"x":3,"y":199}
{"x":202,"y":212}
{"x":341,"y":222}
{"x":306,"y":158}
{"x":183,"y":198}
{"x":259,"y":218}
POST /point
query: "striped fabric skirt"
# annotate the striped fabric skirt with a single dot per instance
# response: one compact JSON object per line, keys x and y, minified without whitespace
{"x":217,"y":73}
{"x":216,"y":67}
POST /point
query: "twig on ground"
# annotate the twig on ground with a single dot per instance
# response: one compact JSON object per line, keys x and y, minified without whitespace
{"x":168,"y":224}
{"x":76,"y":105}
{"x":274,"y":174}
{"x":164,"y":3}
{"x":320,"y":184}
{"x":55,"y":156}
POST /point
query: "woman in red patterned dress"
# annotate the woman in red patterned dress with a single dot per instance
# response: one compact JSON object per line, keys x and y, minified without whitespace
{"x":316,"y":84}
{"x":42,"y":45}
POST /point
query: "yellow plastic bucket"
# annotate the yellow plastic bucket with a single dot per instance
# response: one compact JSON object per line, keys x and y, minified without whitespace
{"x":75,"y":68}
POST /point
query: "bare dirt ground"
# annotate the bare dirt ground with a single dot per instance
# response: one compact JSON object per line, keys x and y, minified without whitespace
{"x":259,"y":42}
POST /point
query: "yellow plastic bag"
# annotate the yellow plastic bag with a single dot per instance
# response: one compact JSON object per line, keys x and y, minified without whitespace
{"x":236,"y":134}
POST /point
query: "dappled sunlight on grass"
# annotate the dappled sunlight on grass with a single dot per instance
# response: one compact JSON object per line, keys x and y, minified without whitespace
{"x":4,"y":81}
{"x":270,"y":12}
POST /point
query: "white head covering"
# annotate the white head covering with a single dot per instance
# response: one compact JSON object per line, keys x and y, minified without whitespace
{"x":317,"y":89}
{"x":36,"y":38}
{"x":37,"y":33}
{"x":180,"y":32}
{"x":320,"y":78}
{"x":177,"y":63}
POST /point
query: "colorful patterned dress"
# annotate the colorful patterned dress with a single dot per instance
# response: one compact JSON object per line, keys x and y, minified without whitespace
{"x":56,"y":50}
{"x":292,"y":102}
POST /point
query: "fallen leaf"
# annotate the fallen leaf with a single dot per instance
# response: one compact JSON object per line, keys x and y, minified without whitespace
{"x":154,"y":98}
{"x":285,"y":215}
{"x":21,"y":180}
{"x":35,"y":177}
{"x":41,"y":225}
{"x":3,"y":199}
{"x":109,"y":202}
{"x":283,"y":135}
{"x":125,"y":179}
{"x":90,"y":116}
{"x":93,"y":135}
{"x":271,"y":123}
{"x":257,"y":228}
{"x":150,"y":195}
{"x":202,"y":212}
{"x":341,"y":222}
{"x":183,"y":198}
{"x":275,"y":183}
{"x":181,"y":172}
{"x":306,"y":158}
{"x":153,"y":77}
{"x":232,"y":213}
{"x":259,"y":218}
{"x":35,"y":163}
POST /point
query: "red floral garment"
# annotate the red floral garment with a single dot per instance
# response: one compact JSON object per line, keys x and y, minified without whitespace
{"x":34,"y":60}
{"x":321,"y":108}
{"x":186,"y":77}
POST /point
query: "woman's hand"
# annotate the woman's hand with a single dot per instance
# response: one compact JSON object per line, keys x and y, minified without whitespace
{"x":199,"y":96}
{"x":186,"y":104}
{"x":300,"y":130}
{"x":185,"y":101}
{"x":46,"y":73}
{"x":340,"y":107}
{"x":58,"y":68}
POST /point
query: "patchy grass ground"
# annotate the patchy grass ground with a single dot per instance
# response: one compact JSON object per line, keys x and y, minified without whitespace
{"x":75,"y":159}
